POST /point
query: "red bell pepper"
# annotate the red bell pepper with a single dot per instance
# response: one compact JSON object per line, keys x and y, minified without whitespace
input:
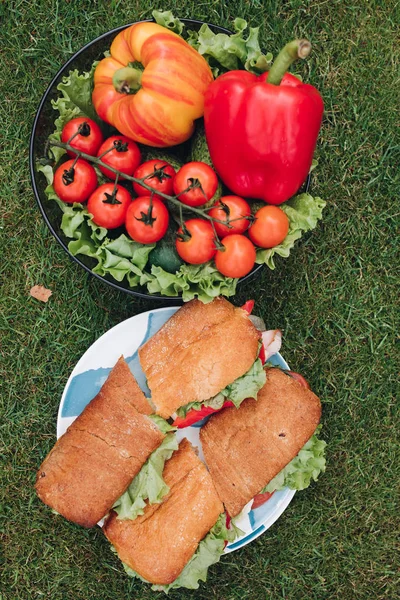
{"x":248,"y":306}
{"x":193,"y":415}
{"x":262,"y":130}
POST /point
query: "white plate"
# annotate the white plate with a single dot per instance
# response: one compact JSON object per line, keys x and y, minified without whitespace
{"x":91,"y":372}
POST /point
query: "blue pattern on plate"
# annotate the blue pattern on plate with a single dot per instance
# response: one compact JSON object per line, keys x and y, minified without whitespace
{"x":84,"y":387}
{"x":247,"y":539}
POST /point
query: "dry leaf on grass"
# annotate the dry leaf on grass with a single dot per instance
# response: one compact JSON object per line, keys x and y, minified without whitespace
{"x":40,"y":293}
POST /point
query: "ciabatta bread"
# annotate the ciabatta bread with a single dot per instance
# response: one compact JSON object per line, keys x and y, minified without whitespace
{"x":245,"y":448}
{"x":200,"y":350}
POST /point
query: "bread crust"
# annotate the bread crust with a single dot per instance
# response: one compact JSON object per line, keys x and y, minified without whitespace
{"x":94,"y":462}
{"x":200,"y":350}
{"x":247,"y":447}
{"x":159,"y":543}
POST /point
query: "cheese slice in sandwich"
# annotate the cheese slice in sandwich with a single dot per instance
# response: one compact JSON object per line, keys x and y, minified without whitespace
{"x":161,"y":545}
{"x":200,"y":352}
{"x":246,"y":448}
{"x":94,"y":462}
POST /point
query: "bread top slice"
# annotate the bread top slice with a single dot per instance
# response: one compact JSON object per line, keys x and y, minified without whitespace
{"x":200,"y":350}
{"x":159,"y":543}
{"x":247,"y":447}
{"x":94,"y":462}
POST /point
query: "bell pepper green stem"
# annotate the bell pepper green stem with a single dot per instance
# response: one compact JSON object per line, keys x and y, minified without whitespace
{"x":291,"y":52}
{"x":127,"y":80}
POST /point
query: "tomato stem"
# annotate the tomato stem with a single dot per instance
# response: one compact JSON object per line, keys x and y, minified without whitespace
{"x":97,"y":161}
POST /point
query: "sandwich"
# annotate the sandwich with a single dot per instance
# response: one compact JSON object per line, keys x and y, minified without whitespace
{"x":266,"y":444}
{"x":100,"y":455}
{"x":205,"y":355}
{"x":174,"y":542}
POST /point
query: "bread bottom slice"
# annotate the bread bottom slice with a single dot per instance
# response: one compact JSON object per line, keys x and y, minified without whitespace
{"x":158,"y":544}
{"x":94,"y":462}
{"x":245,"y":448}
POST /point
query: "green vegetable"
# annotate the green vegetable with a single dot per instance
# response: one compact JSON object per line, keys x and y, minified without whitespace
{"x":208,"y":553}
{"x":201,"y":281}
{"x":148,"y":483}
{"x":124,"y":259}
{"x":167,"y":19}
{"x":304,"y":212}
{"x":164,"y":254}
{"x":223,"y":52}
{"x":246,"y":386}
{"x":306,"y":466}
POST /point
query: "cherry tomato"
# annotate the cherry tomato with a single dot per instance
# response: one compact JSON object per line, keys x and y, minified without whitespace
{"x":158,"y":174}
{"x":87,"y":136}
{"x":202,"y":180}
{"x":238,"y":258}
{"x":74,"y":182}
{"x":298,"y":377}
{"x":109,"y":207}
{"x":260,"y":499}
{"x":234,"y":211}
{"x":147,"y":219}
{"x":270,"y":227}
{"x":196,"y":241}
{"x":121,"y":153}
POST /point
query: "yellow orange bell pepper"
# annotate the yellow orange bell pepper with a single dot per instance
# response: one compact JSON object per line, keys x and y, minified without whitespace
{"x":157,"y":101}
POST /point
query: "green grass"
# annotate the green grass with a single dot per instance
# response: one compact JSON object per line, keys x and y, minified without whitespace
{"x":335,"y":299}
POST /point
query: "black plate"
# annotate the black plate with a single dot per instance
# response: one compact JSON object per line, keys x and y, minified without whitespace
{"x":43,"y":126}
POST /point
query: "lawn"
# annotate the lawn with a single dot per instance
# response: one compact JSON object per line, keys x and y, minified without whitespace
{"x":334,"y":297}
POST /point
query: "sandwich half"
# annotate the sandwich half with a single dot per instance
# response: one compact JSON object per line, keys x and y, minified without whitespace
{"x":173,"y":543}
{"x":99,"y":455}
{"x":203,"y":355}
{"x":246,"y":449}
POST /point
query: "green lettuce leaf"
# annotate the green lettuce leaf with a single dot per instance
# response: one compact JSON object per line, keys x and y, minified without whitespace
{"x":305,"y":467}
{"x":208,"y":553}
{"x":167,"y":19}
{"x":201,"y":281}
{"x":223,"y":52}
{"x":148,"y":483}
{"x":246,"y":386}
{"x":162,"y":424}
{"x":304,"y":212}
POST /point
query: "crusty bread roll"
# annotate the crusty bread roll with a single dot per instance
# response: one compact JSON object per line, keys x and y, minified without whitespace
{"x":159,"y":543}
{"x":200,"y":350}
{"x":247,"y":447}
{"x":94,"y":462}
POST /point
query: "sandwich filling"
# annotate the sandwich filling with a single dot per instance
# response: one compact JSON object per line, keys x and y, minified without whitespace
{"x":303,"y":468}
{"x":246,"y":386}
{"x":148,"y":487}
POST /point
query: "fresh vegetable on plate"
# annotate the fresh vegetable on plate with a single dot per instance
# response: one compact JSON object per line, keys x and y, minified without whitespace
{"x":262,"y":130}
{"x":183,"y":177}
{"x":83,"y":134}
{"x":152,"y":86}
{"x":121,"y":153}
{"x":74,"y":181}
{"x":147,"y":219}
{"x":108,"y":205}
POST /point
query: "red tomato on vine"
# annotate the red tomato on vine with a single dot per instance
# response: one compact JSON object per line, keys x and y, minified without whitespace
{"x":121,"y":153}
{"x":74,"y":181}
